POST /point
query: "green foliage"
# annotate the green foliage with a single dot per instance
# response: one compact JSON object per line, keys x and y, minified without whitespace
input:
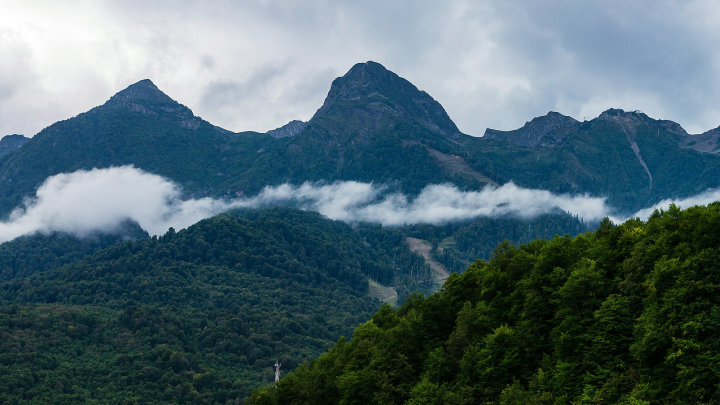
{"x":37,"y":253}
{"x":477,"y":239}
{"x":628,"y":314}
{"x":196,"y":315}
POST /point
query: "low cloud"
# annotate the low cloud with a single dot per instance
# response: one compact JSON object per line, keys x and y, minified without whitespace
{"x":101,"y":199}
{"x":352,"y":201}
{"x":84,"y":202}
{"x":704,"y":198}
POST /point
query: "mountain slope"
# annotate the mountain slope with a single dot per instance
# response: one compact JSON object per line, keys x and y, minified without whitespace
{"x":548,"y":130}
{"x":39,"y":252}
{"x":629,"y":157}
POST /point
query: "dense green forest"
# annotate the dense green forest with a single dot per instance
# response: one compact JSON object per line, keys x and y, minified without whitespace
{"x":627,"y":314}
{"x":201,"y":314}
{"x":40,"y":252}
{"x":197,"y":315}
{"x":459,"y":244}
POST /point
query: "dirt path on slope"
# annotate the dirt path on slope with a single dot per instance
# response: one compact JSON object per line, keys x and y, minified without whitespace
{"x":385,"y":294}
{"x":423,"y":248}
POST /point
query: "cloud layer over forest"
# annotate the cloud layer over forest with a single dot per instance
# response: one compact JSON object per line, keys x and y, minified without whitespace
{"x":101,"y":199}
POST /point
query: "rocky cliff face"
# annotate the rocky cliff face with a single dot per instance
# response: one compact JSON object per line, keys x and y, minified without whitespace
{"x":369,"y":98}
{"x":10,"y":143}
{"x":288,"y":130}
{"x":707,"y":142}
{"x":548,"y":130}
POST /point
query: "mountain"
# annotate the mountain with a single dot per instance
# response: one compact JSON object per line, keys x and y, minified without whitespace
{"x":10,"y":143}
{"x":628,"y":314}
{"x":144,"y":127}
{"x":370,"y":98}
{"x":629,"y":157}
{"x":202,"y":314}
{"x":374,"y":126}
{"x":547,"y":130}
{"x":139,"y":126}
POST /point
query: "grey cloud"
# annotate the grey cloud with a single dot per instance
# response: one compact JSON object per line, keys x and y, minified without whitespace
{"x":642,"y":55}
{"x":491,"y":64}
{"x":207,"y":61}
{"x":223,"y":93}
{"x":436,"y":204}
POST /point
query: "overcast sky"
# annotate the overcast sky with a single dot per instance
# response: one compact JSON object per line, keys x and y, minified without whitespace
{"x":255,"y":65}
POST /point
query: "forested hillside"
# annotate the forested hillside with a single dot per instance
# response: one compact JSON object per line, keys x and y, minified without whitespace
{"x":459,"y":244}
{"x":40,"y":252}
{"x":202,"y":314}
{"x":197,"y":315}
{"x":627,"y":314}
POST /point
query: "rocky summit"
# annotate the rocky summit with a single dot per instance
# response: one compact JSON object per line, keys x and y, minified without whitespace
{"x":370,"y":98}
{"x":10,"y":143}
{"x":288,"y":130}
{"x":547,"y":130}
{"x":144,"y":97}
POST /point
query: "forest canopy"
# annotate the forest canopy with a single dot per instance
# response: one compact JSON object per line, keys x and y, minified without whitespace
{"x":627,"y":314}
{"x":196,"y":315}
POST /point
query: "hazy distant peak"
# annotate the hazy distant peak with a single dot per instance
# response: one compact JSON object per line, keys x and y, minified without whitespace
{"x":10,"y":143}
{"x":370,"y":85}
{"x":290,"y":129}
{"x":713,"y":132}
{"x":551,"y":120}
{"x":707,"y":142}
{"x":546,"y":130}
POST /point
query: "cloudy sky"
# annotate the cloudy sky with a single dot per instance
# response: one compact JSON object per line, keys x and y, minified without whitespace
{"x":255,"y":65}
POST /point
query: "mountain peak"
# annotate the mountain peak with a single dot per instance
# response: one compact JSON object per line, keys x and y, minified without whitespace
{"x":10,"y":143}
{"x":379,"y":93}
{"x":288,"y":130}
{"x":630,"y":120}
{"x":146,"y":98}
{"x":142,"y":91}
{"x":546,"y":130}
